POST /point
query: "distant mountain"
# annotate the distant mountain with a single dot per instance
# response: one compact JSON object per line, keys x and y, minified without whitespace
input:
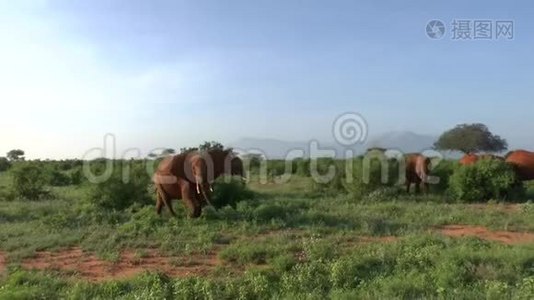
{"x":405,"y":141}
{"x":277,"y":149}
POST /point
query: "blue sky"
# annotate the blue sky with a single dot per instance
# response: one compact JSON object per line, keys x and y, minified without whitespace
{"x":175,"y":73}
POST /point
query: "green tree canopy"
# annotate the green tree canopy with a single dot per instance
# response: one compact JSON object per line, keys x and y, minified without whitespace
{"x":212,"y":145}
{"x":471,"y":138}
{"x":168,"y":151}
{"x":15,"y":155}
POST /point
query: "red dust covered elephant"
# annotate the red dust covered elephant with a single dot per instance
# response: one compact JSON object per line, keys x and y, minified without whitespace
{"x":183,"y":176}
{"x":417,"y":171}
{"x":523,"y":163}
{"x":189,"y":177}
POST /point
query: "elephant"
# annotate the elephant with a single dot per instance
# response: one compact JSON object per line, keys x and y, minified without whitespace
{"x":177,"y":177}
{"x":523,"y":163}
{"x":417,"y":171}
{"x":470,"y":158}
{"x":183,"y":176}
{"x":225,"y":162}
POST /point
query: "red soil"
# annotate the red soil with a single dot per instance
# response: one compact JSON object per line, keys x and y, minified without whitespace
{"x":506,"y":237}
{"x":90,"y":267}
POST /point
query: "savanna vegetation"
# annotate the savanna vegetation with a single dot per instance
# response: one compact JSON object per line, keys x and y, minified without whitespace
{"x":276,"y":237}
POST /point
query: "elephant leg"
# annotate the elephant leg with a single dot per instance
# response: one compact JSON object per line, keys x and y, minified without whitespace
{"x":166,"y":200}
{"x":408,"y":183}
{"x":159,"y":204}
{"x":417,"y":187}
{"x":159,"y":200}
{"x":190,"y":200}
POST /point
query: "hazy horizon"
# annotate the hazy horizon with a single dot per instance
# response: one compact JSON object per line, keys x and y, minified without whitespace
{"x":175,"y":74}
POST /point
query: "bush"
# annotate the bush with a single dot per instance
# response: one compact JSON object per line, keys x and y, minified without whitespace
{"x":337,"y":184}
{"x":362,"y":181}
{"x":485,"y":180}
{"x":118,"y":193}
{"x":29,"y":180}
{"x":444,"y":170}
{"x":6,"y":194}
{"x":58,"y":178}
{"x":76,"y":176}
{"x":302,"y":167}
{"x":4,"y":164}
{"x":366,"y":180}
{"x":229,"y":192}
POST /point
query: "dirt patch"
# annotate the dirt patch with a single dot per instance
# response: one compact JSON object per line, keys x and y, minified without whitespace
{"x":2,"y":262}
{"x":129,"y":264}
{"x":507,"y":237}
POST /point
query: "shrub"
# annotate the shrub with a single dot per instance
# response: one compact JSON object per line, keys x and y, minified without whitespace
{"x":334,"y":186}
{"x":485,"y":180}
{"x":58,"y":178}
{"x":76,"y":176}
{"x":4,"y":164}
{"x":368,"y":178}
{"x":444,"y":170}
{"x":278,"y":167}
{"x":118,"y":193}
{"x":302,"y":167}
{"x":29,"y":180}
{"x":6,"y":194}
{"x":229,"y":192}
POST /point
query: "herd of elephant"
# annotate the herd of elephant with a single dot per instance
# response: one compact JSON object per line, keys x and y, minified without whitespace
{"x":417,"y":166}
{"x":521,"y":160}
{"x":189,"y":176}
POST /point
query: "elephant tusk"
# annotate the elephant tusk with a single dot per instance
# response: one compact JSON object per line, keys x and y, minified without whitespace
{"x":198,"y":189}
{"x":211,"y":189}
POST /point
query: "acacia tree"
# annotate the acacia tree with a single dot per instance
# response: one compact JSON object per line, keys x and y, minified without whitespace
{"x":15,"y":155}
{"x":471,"y":138}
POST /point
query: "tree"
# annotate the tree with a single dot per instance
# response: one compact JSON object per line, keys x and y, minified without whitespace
{"x":188,"y":149}
{"x":213,"y":145}
{"x":164,"y":152}
{"x":471,"y":138}
{"x":168,"y":151}
{"x":4,"y":164}
{"x":15,"y":155}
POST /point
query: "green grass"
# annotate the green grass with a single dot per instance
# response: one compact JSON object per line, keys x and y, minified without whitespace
{"x":286,"y":243}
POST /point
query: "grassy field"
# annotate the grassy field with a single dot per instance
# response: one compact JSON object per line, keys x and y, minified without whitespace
{"x":285,"y":243}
